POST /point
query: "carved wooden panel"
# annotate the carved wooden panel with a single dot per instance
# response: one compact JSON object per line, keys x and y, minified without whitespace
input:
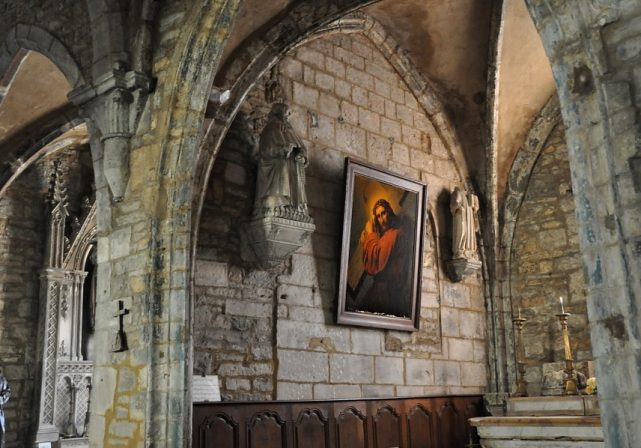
{"x":387,"y":428}
{"x":312,"y":430}
{"x":420,"y":428}
{"x":219,"y":430}
{"x":266,"y":430}
{"x":429,"y":422}
{"x":472,"y":410}
{"x":448,"y":431}
{"x":351,"y":429}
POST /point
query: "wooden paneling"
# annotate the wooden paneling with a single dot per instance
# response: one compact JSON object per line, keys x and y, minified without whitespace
{"x":312,"y":429}
{"x":420,"y":425}
{"x":431,"y":422}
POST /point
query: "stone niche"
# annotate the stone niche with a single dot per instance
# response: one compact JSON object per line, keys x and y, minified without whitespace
{"x":270,"y":333}
{"x":546,"y":264}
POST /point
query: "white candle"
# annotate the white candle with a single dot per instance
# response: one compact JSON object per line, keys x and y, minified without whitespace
{"x":519,"y":312}
{"x":561,"y":300}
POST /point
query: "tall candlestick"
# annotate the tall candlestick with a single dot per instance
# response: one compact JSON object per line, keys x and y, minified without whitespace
{"x":571,"y":376}
{"x":521,"y":384}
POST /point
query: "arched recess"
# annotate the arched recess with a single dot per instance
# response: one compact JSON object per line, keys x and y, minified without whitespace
{"x":48,"y":137}
{"x":590,"y":47}
{"x":198,"y":49}
{"x":240,"y":78}
{"x":544,"y":124}
{"x":32,"y":37}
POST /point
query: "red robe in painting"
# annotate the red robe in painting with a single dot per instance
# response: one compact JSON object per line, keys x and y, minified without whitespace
{"x":388,"y":258}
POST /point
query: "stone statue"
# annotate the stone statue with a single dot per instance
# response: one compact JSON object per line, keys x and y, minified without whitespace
{"x":5,"y":394}
{"x":280,"y":222}
{"x":280,"y":183}
{"x":464,"y":208}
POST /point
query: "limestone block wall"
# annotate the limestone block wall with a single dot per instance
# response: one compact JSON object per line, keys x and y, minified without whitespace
{"x":21,"y":252}
{"x":546,"y":263}
{"x":272,"y":334}
{"x":23,"y":229}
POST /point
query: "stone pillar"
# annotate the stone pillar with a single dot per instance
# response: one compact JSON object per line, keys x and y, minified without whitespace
{"x":140,"y":391}
{"x":591,"y":45}
{"x":50,"y":288}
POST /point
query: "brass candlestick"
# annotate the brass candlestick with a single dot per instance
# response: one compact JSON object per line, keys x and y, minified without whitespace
{"x":570,"y":387}
{"x":521,"y":384}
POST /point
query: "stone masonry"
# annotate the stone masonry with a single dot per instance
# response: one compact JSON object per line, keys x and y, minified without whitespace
{"x":546,"y":264}
{"x":272,"y":334}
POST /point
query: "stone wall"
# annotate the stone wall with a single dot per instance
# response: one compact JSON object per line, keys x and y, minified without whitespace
{"x":546,"y":263}
{"x":271,"y":334}
{"x":23,"y":230}
{"x":21,"y":251}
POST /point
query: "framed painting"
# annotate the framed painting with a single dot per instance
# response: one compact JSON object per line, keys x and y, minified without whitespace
{"x":382,"y":250}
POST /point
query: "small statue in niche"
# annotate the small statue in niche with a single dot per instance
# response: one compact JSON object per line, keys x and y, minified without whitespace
{"x":280,"y":222}
{"x":280,"y":183}
{"x":464,"y":208}
{"x":465,"y":225}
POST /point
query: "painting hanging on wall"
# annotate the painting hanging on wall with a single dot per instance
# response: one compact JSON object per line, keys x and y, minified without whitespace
{"x":381,"y":256}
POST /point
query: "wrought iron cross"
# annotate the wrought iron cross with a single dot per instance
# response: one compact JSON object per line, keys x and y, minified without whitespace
{"x":120,"y":339}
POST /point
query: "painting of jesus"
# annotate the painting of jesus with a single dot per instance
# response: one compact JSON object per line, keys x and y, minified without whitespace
{"x":382,"y":241}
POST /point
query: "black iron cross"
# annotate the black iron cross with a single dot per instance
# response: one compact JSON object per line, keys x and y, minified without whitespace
{"x":120,"y":339}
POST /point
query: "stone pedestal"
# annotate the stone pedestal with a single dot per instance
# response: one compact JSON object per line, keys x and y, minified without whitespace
{"x":551,"y":422}
{"x":272,"y":239}
{"x":460,"y":268}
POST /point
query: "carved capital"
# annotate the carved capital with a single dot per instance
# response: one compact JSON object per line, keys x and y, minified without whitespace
{"x":114,"y":104}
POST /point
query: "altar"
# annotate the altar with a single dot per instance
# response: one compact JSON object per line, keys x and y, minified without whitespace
{"x":551,"y":422}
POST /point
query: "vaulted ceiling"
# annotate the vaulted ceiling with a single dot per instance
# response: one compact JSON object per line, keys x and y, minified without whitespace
{"x":456,"y":44}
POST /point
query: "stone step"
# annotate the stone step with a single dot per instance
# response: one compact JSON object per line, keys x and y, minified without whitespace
{"x":559,"y":405}
{"x":543,"y":431}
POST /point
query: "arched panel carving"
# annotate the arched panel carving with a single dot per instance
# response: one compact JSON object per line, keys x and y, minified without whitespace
{"x":449,"y":432}
{"x":266,"y":430}
{"x":387,"y":427}
{"x":420,"y":427}
{"x":312,"y":430}
{"x":351,"y":431}
{"x":219,"y":430}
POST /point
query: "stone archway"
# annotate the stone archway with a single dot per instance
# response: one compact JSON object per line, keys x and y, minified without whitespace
{"x":241,"y":78}
{"x":32,"y":37}
{"x":590,"y":46}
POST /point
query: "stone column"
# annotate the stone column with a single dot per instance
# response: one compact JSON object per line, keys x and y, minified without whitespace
{"x":593,"y":48}
{"x":140,"y":390}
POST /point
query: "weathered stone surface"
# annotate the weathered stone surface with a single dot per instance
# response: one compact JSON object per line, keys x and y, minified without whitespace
{"x":336,"y":117}
{"x":546,"y":263}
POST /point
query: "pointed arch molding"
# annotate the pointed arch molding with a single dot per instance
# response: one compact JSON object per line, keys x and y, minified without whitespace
{"x":518,"y":179}
{"x":546,"y":121}
{"x":32,"y":37}
{"x":256,"y":56}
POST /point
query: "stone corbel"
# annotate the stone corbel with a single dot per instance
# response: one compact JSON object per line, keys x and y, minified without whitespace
{"x":114,"y":104}
{"x":459,"y":268}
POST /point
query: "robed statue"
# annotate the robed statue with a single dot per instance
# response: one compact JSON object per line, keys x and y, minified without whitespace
{"x":464,"y":208}
{"x":280,"y":221}
{"x":280,"y":183}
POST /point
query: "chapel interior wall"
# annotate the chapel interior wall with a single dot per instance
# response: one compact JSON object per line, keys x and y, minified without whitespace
{"x":271,"y":333}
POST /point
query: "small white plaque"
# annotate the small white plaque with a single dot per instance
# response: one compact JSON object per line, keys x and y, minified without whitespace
{"x":44,"y":445}
{"x":205,"y":388}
